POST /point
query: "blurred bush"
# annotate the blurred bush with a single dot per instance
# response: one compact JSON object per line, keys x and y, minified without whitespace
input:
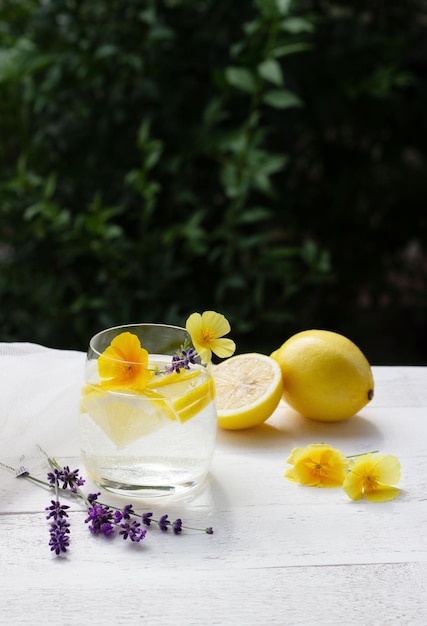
{"x":265,"y":159}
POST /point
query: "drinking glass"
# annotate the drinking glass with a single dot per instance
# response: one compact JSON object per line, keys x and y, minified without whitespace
{"x":152,"y":441}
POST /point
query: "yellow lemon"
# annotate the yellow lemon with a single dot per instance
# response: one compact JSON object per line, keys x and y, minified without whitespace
{"x":248,"y":389}
{"x":326,"y":377}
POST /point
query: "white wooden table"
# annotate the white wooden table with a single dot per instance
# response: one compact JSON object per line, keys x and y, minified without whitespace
{"x":281,"y":554}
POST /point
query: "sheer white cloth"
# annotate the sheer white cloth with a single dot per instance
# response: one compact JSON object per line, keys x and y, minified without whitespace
{"x":39,"y":401}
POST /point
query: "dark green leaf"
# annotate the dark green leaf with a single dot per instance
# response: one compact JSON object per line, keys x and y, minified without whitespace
{"x":270,"y":70}
{"x":297,"y":25}
{"x":281,"y":99}
{"x":241,"y":78}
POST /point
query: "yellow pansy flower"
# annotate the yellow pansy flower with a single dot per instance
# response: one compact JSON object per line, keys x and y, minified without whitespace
{"x":372,"y":477}
{"x":124,"y":364}
{"x":207,"y":331}
{"x":317,"y":465}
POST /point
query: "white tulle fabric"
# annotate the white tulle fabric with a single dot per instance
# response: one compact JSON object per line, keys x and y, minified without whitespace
{"x":39,"y":401}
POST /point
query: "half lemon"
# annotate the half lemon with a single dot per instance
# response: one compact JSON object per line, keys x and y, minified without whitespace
{"x":248,"y":390}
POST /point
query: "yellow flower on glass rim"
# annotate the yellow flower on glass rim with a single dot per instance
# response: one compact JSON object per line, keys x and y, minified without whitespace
{"x":207,"y":331}
{"x":373,"y":476}
{"x":124,"y":363}
{"x":317,"y":465}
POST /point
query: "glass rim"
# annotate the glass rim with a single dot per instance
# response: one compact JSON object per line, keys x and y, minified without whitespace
{"x":127,"y":327}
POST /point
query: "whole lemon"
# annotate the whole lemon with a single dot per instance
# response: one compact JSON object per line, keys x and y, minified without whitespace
{"x":326,"y":377}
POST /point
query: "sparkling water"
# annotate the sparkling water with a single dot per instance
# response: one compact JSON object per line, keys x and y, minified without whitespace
{"x":149,"y":446}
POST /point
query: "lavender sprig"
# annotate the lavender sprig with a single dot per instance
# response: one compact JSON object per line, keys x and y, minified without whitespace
{"x":177,"y":525}
{"x":101,"y":518}
{"x":68,"y":479}
{"x":59,"y":528}
{"x":182,"y":360}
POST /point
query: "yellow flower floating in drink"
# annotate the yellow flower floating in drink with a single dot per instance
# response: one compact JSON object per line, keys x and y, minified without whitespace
{"x":124,"y":364}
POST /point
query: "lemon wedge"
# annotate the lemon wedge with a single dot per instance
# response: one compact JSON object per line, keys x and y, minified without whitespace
{"x":191,"y":403}
{"x":248,"y":390}
{"x":188,"y":391}
{"x":166,"y":380}
{"x":124,"y":418}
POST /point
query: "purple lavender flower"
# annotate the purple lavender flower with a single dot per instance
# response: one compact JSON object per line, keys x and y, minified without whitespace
{"x":128,"y":511}
{"x":164,"y":522}
{"x":182,"y":360}
{"x":177,"y":526}
{"x":52,"y":476}
{"x":209,"y":530}
{"x":66,"y":477}
{"x":59,"y":540}
{"x":72,"y":479}
{"x":132,"y":530}
{"x":146,"y":518}
{"x":57,"y":510}
{"x":107,"y":529}
{"x":101,"y":518}
{"x":125,"y":514}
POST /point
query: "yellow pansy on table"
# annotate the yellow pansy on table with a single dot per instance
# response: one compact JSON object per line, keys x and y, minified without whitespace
{"x":367,"y":475}
{"x":373,"y":477}
{"x":317,"y":465}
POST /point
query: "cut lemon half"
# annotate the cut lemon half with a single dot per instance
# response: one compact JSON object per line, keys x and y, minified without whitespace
{"x":248,"y":390}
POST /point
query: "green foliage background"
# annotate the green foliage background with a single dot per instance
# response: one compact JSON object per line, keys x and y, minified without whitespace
{"x":265,"y":159}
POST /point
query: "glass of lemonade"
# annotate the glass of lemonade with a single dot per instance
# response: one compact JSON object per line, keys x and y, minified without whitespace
{"x":152,"y":434}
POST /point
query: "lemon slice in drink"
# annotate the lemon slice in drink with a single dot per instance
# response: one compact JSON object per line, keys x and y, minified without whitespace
{"x":191,"y":403}
{"x":171,"y":379}
{"x":125,"y":417}
{"x":188,"y":392}
{"x":248,"y":390}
